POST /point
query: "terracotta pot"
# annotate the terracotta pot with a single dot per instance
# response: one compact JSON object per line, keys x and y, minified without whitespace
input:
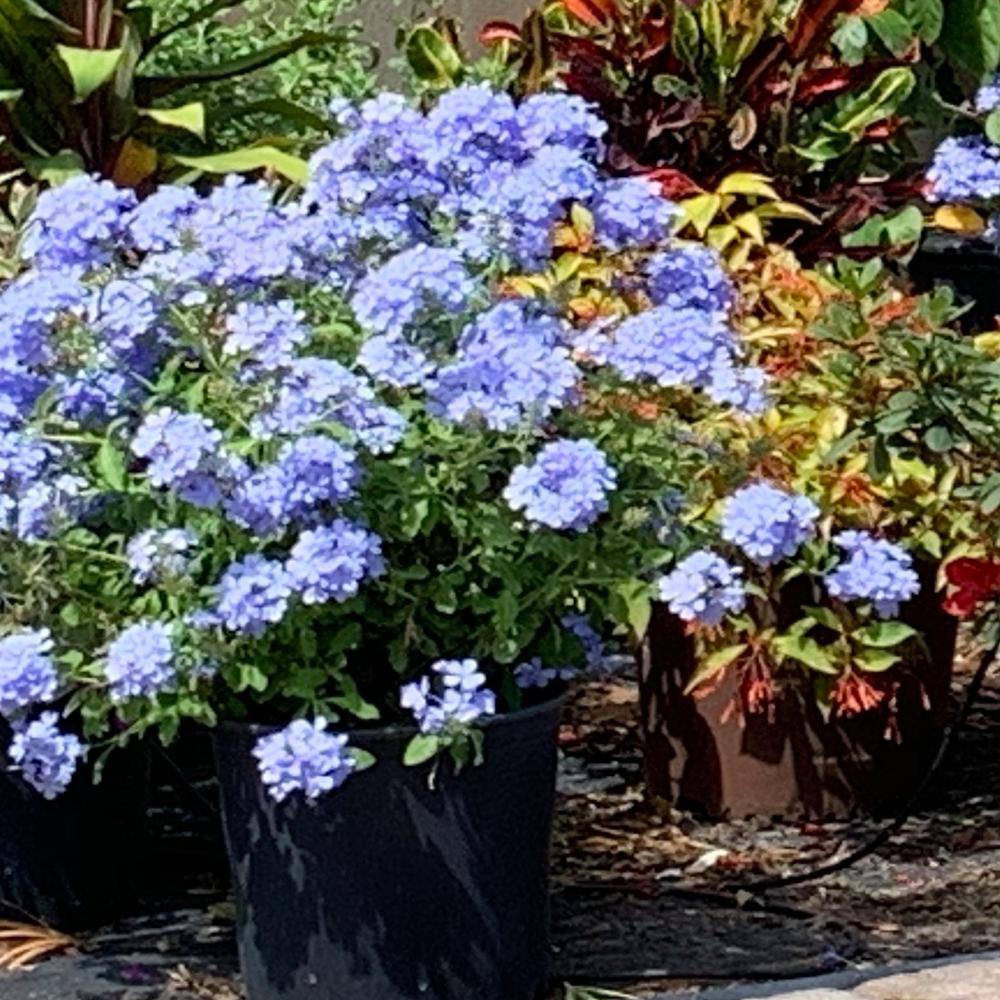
{"x":792,"y":763}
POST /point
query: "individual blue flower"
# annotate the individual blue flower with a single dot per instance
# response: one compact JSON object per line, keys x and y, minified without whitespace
{"x":534,"y":674}
{"x":407,"y":287}
{"x":454,"y":696}
{"x":689,"y":276}
{"x":77,"y":224}
{"x":46,"y":758}
{"x":631,"y":212}
{"x":964,"y":168}
{"x":266,"y":333}
{"x":874,"y":570}
{"x":767,"y":523}
{"x":566,"y":487}
{"x":253,"y":593}
{"x":305,"y":758}
{"x":393,"y":361}
{"x":159,"y":554}
{"x":27,"y":673}
{"x":176,"y":445}
{"x":703,"y":588}
{"x":582,"y":629}
{"x":140,"y":661}
{"x":743,"y":387}
{"x":330,"y":562}
{"x":988,"y":96}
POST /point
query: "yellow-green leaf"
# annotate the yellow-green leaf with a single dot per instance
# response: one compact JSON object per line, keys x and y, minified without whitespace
{"x":701,"y":210}
{"x":959,"y":219}
{"x":786,"y":210}
{"x":714,"y":664}
{"x":88,"y":68}
{"x":749,"y":223}
{"x":748,"y":184}
{"x":189,"y":117}
{"x":250,"y":158}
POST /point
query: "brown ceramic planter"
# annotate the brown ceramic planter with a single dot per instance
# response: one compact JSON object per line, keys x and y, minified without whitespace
{"x":795,"y":763}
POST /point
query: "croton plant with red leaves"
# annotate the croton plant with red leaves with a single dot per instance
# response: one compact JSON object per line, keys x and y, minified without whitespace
{"x":973,"y":586}
{"x":818,"y":95}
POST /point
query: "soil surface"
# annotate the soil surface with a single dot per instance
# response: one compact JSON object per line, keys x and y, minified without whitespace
{"x":642,"y":898}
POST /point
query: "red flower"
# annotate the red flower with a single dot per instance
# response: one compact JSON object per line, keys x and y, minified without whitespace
{"x":975,"y":581}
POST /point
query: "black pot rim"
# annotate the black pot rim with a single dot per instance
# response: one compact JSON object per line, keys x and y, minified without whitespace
{"x":550,"y":704}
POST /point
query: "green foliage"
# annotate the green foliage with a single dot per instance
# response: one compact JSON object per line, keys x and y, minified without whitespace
{"x":102,"y":87}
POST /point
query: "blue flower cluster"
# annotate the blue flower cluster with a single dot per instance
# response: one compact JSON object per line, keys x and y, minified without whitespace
{"x":159,"y":554}
{"x":27,"y":673}
{"x":566,"y":487}
{"x":304,"y":757}
{"x":689,"y":276}
{"x":965,"y":168}
{"x":454,"y":696}
{"x":767,"y":523}
{"x":988,"y":96}
{"x":330,"y":562}
{"x":46,"y":758}
{"x":703,"y":588}
{"x":140,"y":662}
{"x":874,"y":570}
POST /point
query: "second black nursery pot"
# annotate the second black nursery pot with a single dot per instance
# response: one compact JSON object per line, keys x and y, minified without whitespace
{"x":387,"y":889}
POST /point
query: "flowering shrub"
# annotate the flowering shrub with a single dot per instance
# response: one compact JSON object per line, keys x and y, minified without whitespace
{"x":349,"y":456}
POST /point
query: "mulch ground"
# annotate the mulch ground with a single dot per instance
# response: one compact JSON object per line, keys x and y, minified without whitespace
{"x":637,"y":902}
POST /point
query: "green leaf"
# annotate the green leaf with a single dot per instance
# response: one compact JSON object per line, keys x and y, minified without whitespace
{"x":362,"y":758}
{"x":686,"y":40}
{"x":432,"y":56}
{"x":189,"y":117}
{"x":939,"y":439}
{"x":111,"y":465}
{"x":895,"y":229}
{"x":638,"y":605}
{"x":807,"y":651}
{"x":351,"y":701}
{"x":877,"y":661}
{"x":885,"y":635}
{"x":88,"y":68}
{"x":851,"y":39}
{"x":713,"y":664}
{"x":421,"y":748}
{"x":251,"y":677}
{"x":893,"y":29}
{"x":248,"y":159}
{"x":992,"y":126}
{"x":824,"y":617}
{"x":879,"y":461}
{"x":280,"y":107}
{"x":971,"y":35}
{"x":57,"y":168}
{"x":926,"y":16}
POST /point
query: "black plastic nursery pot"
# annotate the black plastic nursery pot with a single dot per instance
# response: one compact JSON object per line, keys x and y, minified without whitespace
{"x":387,"y":889}
{"x":75,"y":862}
{"x":972,"y":268}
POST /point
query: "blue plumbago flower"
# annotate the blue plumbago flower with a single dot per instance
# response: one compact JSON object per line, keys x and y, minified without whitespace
{"x":92,"y":397}
{"x":266,"y":333}
{"x":77,"y":224}
{"x":318,"y":390}
{"x":964,"y":168}
{"x":395,"y":362}
{"x":19,"y":391}
{"x":509,"y":369}
{"x":30,"y":306}
{"x":671,"y":347}
{"x":27,"y":674}
{"x":47,"y":506}
{"x":156,"y":223}
{"x":768,"y":524}
{"x":582,"y":629}
{"x":45,"y":757}
{"x":303,"y":757}
{"x":140,"y":662}
{"x":330,"y":562}
{"x":630,"y":211}
{"x":874,"y":570}
{"x":252,"y":594}
{"x":555,"y":119}
{"x":176,"y":445}
{"x":703,"y":588}
{"x":455,"y":697}
{"x":128,"y":319}
{"x":743,"y":387}
{"x":159,"y":554}
{"x":988,"y":96}
{"x":395,"y":295}
{"x":534,"y":674}
{"x":566,"y":486}
{"x":689,"y":276}
{"x":23,"y":462}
